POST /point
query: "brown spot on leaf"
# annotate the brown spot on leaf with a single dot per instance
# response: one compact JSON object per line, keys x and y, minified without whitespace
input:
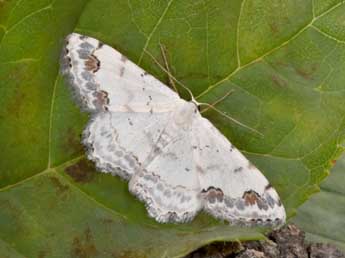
{"x":107,"y":221}
{"x":306,"y":74}
{"x":281,"y":63}
{"x":72,"y":142}
{"x":61,"y":188}
{"x":3,"y":3}
{"x":42,"y":254}
{"x":20,"y":79}
{"x":83,"y":247}
{"x":278,"y":81}
{"x":22,"y":88}
{"x":274,"y":28}
{"x":13,"y":212}
{"x":16,"y":104}
{"x":81,"y":172}
{"x":250,"y":197}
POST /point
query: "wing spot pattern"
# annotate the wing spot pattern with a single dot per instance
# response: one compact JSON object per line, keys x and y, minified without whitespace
{"x":92,"y":64}
{"x":239,"y":169}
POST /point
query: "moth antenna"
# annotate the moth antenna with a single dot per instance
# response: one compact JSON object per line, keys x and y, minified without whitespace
{"x":163,"y":50}
{"x":227,"y":116}
{"x":170,"y":75}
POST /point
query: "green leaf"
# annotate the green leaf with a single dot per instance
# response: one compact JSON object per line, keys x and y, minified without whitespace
{"x":283,"y":59}
{"x":8,"y":252}
{"x":323,"y":216}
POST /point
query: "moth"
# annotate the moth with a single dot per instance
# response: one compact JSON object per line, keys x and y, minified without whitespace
{"x":175,"y":160}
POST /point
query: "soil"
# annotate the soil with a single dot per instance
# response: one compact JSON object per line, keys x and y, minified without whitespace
{"x":287,"y":242}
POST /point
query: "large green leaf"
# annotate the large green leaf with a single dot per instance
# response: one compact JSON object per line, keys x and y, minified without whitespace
{"x":282,"y":58}
{"x":323,"y":217}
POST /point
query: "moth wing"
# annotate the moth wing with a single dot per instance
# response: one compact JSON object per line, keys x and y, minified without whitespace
{"x":176,"y":166}
{"x":232,"y":188}
{"x":169,"y":183}
{"x":104,"y":79}
{"x":120,"y":142}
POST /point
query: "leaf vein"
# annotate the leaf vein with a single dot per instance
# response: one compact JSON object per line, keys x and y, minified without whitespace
{"x":154,"y":30}
{"x":51,"y":121}
{"x":22,"y":60}
{"x":304,"y":28}
{"x":238,"y":35}
{"x":7,"y":187}
{"x":327,"y":35}
{"x":48,"y":7}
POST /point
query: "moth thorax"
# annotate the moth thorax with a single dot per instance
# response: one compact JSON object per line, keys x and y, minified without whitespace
{"x":184,"y":113}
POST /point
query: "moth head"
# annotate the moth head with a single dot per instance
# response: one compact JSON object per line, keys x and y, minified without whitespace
{"x":185,"y":112}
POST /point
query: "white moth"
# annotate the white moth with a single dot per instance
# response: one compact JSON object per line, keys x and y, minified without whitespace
{"x":175,"y":160}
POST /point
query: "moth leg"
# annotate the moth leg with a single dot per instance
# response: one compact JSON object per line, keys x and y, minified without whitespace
{"x":217,"y":101}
